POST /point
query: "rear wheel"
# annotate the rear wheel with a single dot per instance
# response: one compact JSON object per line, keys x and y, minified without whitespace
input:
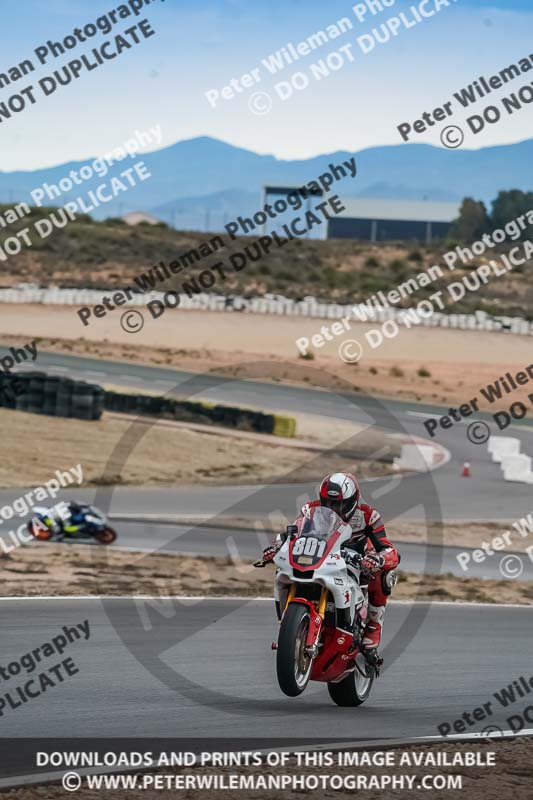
{"x":39,"y":531}
{"x":106,"y":536}
{"x":293,"y":665}
{"x":355,"y":688}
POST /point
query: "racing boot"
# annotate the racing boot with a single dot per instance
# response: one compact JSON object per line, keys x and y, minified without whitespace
{"x":374,"y":627}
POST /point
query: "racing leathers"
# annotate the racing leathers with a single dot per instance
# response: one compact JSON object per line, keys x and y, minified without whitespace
{"x":68,"y":517}
{"x":77,"y":512}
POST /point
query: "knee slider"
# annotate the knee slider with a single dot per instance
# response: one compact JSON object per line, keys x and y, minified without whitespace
{"x":389,"y":580}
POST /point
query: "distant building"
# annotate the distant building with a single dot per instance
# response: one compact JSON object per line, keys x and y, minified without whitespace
{"x":135,"y":217}
{"x":378,"y":220}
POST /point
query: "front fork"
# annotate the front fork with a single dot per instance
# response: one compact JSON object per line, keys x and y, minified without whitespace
{"x":317,"y":614}
{"x":316,"y":621}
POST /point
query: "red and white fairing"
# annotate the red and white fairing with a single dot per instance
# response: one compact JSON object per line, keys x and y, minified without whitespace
{"x":313,"y":555}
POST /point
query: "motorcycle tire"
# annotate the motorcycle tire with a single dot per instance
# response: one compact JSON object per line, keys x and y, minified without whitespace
{"x":353,"y":690}
{"x":42,"y":534}
{"x":292,"y":666}
{"x":106,"y":536}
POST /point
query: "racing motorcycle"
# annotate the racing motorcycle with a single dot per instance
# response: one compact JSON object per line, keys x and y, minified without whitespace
{"x":90,"y":525}
{"x":322,"y":609}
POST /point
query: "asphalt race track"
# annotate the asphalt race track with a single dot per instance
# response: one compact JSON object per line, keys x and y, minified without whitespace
{"x":218,"y":673}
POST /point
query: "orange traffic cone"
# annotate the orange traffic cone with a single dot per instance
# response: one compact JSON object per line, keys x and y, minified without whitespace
{"x":466,"y":469}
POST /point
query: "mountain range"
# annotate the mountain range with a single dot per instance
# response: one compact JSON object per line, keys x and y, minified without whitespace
{"x":200,"y":183}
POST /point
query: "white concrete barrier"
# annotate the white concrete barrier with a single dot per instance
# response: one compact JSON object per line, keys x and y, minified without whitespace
{"x":517,"y":468}
{"x":519,"y":463}
{"x":417,"y":457}
{"x":500,"y":446}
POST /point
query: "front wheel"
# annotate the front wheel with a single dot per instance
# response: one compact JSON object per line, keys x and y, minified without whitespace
{"x":355,"y":688}
{"x":293,"y":665}
{"x":106,"y":536}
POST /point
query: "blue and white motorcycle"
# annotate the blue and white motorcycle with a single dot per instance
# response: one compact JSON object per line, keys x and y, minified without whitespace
{"x":81,"y":523}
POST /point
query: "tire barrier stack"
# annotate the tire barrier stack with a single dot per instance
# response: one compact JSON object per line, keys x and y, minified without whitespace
{"x":39,"y":393}
{"x":284,"y":426}
{"x":272,"y":304}
{"x":200,"y":412}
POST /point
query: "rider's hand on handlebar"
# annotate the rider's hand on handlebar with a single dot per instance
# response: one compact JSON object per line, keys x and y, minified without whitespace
{"x":269,"y":553}
{"x":372,"y":563}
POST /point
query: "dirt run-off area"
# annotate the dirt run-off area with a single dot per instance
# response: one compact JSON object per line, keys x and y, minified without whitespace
{"x":44,"y":568}
{"x":439,"y":366}
{"x":173,"y":454}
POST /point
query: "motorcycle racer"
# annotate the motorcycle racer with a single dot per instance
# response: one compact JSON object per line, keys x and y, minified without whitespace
{"x":340,"y":492}
{"x":67,"y":517}
{"x":75,"y":516}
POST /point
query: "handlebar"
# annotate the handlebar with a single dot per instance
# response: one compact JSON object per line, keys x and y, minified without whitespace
{"x":355,"y":558}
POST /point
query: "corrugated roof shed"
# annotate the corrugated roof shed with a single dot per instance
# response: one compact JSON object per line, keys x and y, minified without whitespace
{"x":405,"y":210}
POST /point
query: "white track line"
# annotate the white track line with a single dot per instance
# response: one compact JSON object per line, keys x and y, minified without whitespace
{"x":174,"y":518}
{"x":463,"y":421}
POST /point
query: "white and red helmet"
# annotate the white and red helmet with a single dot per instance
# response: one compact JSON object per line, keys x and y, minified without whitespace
{"x":340,"y":492}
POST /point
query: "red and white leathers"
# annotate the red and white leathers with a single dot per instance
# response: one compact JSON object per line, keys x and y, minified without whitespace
{"x":369,"y":537}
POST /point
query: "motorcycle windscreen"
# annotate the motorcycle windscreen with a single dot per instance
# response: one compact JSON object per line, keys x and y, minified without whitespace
{"x":321,"y":522}
{"x":318,"y":533}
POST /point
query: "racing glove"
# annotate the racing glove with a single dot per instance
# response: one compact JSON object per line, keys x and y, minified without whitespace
{"x":269,"y":552}
{"x":372,"y":563}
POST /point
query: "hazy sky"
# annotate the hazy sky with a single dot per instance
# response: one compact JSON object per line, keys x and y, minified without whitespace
{"x":199,"y":46}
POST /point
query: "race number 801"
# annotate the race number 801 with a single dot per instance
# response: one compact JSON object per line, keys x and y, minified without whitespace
{"x":309,"y":546}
